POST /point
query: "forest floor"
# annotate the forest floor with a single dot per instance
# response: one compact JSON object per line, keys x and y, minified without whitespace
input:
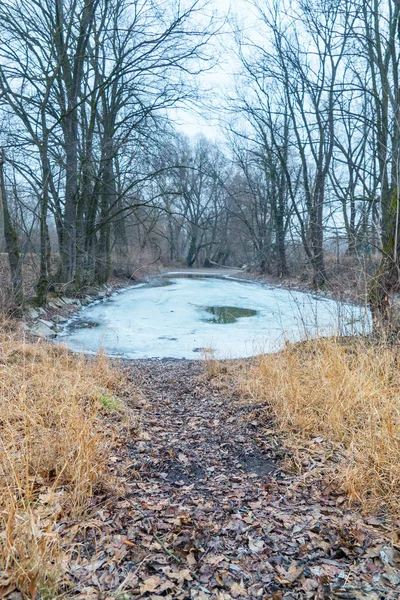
{"x":210,"y":509}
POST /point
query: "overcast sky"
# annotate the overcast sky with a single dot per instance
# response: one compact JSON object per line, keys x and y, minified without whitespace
{"x":220,"y":81}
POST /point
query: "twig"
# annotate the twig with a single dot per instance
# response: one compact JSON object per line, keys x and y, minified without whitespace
{"x":159,"y":540}
{"x":167,"y":551}
{"x":121,"y":587}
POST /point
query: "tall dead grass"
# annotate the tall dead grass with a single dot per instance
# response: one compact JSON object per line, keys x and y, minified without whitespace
{"x":53,"y":454}
{"x":349,"y":393}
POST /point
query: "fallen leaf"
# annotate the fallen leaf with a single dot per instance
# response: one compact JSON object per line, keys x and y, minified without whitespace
{"x":181,"y":576}
{"x":291,"y":574}
{"x":256,"y":545}
{"x":128,"y":542}
{"x":214,"y":559}
{"x":151,"y":584}
{"x":47,"y":498}
{"x":237,"y":590}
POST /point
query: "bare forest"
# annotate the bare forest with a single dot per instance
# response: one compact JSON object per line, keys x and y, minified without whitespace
{"x":199,"y":299}
{"x":98,"y":178}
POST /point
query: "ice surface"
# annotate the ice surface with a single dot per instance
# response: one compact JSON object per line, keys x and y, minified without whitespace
{"x":170,"y":321}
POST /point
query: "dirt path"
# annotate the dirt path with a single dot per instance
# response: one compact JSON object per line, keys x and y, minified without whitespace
{"x":210,"y":513}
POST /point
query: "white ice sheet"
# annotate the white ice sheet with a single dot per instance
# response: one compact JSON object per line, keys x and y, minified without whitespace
{"x":171,"y":321}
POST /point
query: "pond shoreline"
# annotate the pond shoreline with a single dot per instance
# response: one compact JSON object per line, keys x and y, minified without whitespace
{"x":47,"y":321}
{"x":297,"y":285}
{"x":224,"y":316}
{"x":50,"y":321}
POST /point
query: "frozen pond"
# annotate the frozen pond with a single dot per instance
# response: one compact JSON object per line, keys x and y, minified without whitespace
{"x":180,"y":316}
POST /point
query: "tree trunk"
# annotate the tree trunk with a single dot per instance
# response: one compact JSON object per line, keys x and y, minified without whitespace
{"x":387,"y":279}
{"x":108,"y":197}
{"x":192,"y":252}
{"x":282,"y":268}
{"x":43,"y":281}
{"x":11,"y":240}
{"x":317,"y":238}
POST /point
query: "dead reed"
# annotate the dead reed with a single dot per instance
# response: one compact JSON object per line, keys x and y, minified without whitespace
{"x":53,"y":454}
{"x":347,"y":392}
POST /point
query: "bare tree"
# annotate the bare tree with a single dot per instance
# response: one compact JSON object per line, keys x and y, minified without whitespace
{"x":11,"y":239}
{"x":82,"y":78}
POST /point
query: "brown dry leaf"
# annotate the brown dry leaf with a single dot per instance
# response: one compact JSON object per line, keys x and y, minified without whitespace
{"x":214,"y":559}
{"x":392,"y":575}
{"x":291,"y":574}
{"x":224,"y":579}
{"x":237,"y":590}
{"x":88,"y":593}
{"x":167,"y":585}
{"x":151,"y":584}
{"x":374,"y":552}
{"x":181,"y":576}
{"x":47,"y":498}
{"x":159,"y":506}
{"x":199,"y":595}
{"x":256,"y":545}
{"x":128,"y":542}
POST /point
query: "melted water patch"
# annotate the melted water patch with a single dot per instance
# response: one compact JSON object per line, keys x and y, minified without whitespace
{"x":228,"y":314}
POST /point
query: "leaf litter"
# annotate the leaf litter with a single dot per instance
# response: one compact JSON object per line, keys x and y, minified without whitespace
{"x":210,"y":508}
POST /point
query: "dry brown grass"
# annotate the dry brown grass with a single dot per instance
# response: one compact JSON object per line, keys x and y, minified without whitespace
{"x":349,"y":393}
{"x":53,"y":454}
{"x":212,"y":366}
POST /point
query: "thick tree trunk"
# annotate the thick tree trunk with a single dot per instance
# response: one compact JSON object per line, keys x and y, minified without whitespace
{"x":318,"y":263}
{"x":43,"y":281}
{"x":387,"y":279}
{"x":103,"y":258}
{"x":68,"y":246}
{"x":120,"y":235}
{"x":44,"y":272}
{"x":192,"y":252}
{"x":71,"y":78}
{"x":11,"y":241}
{"x":108,"y":204}
{"x":317,"y":240}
